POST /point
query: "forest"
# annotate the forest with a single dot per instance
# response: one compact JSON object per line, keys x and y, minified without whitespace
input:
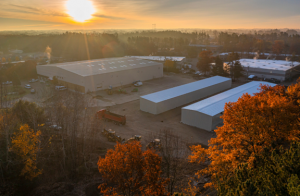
{"x":73,"y":46}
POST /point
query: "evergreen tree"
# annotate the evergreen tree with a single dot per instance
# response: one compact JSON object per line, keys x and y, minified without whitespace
{"x":218,"y":68}
{"x":205,"y":59}
{"x":237,"y":70}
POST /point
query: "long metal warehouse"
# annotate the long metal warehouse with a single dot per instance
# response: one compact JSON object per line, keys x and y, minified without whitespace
{"x":206,"y":114}
{"x":99,"y":74}
{"x":165,"y":100}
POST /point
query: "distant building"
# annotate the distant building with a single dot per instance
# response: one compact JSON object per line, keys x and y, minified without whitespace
{"x":202,"y":47}
{"x":161,"y":58}
{"x":99,"y":74}
{"x":16,"y":51}
{"x":278,"y":69}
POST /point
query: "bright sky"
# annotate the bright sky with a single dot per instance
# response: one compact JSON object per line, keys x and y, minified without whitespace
{"x":141,"y":14}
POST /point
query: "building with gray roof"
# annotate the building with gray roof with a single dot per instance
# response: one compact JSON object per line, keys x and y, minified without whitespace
{"x":168,"y":99}
{"x":99,"y":74}
{"x":206,"y":114}
{"x":263,"y":68}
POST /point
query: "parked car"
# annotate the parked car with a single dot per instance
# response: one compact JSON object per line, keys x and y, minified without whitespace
{"x":60,"y":88}
{"x":273,"y":80}
{"x":7,"y":82}
{"x":138,"y":84}
{"x":55,"y":127}
{"x":33,"y":80}
{"x":27,"y":86}
{"x":252,"y":77}
{"x":32,"y":91}
{"x":198,"y":73}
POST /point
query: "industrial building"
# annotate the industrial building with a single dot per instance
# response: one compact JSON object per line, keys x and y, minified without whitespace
{"x":278,"y":69}
{"x":93,"y":75}
{"x":206,"y":114}
{"x":161,"y":58}
{"x":168,"y":99}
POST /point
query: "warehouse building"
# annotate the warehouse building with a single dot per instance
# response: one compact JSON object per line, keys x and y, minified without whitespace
{"x":206,"y":114}
{"x":161,"y":58}
{"x":94,"y":75}
{"x":165,"y":100}
{"x":278,"y":69}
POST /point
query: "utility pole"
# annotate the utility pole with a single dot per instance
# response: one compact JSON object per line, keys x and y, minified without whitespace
{"x":153,"y":27}
{"x":1,"y":90}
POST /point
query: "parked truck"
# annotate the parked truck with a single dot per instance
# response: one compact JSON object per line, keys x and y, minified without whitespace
{"x":109,"y":116}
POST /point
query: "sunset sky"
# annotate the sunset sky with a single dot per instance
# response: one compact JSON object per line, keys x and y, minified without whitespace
{"x":141,"y":14}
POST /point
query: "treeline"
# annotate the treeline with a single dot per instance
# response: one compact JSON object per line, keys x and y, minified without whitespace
{"x":18,"y":72}
{"x":80,"y":46}
{"x":277,"y":43}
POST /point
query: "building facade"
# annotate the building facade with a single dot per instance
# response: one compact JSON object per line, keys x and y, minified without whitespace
{"x":168,"y":99}
{"x":94,"y":75}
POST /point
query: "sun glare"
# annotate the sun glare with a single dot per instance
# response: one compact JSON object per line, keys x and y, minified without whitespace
{"x":80,"y":10}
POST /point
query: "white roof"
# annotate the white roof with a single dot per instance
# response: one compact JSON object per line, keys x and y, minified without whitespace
{"x":255,"y":53}
{"x":160,"y":58}
{"x":183,"y":89}
{"x":268,"y":64}
{"x":100,"y":66}
{"x":215,"y":105}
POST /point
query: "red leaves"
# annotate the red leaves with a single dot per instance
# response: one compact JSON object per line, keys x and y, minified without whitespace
{"x":250,"y":125}
{"x":131,"y":171}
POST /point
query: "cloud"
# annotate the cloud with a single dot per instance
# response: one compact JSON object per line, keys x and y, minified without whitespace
{"x":108,"y":17}
{"x":34,"y":10}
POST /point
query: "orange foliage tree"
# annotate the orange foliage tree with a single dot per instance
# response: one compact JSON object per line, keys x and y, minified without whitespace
{"x":129,"y":171}
{"x":25,"y":146}
{"x":268,"y":119}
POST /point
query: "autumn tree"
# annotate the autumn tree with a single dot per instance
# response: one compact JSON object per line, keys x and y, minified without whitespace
{"x":25,"y":146}
{"x":127,"y":170}
{"x":169,"y":65}
{"x":55,"y":80}
{"x":3,"y":60}
{"x":275,"y":173}
{"x":204,"y":62}
{"x":253,"y":123}
{"x":29,"y":113}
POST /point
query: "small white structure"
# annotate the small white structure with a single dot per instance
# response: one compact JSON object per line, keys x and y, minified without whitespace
{"x":206,"y":114}
{"x":165,"y":100}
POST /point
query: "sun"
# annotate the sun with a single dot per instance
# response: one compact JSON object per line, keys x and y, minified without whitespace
{"x":80,"y":10}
